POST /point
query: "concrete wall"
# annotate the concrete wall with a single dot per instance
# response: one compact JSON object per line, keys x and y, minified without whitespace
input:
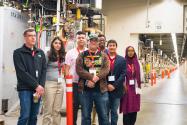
{"x":1,"y":57}
{"x":12,"y":25}
{"x":128,"y":17}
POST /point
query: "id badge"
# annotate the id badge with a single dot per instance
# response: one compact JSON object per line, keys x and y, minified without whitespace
{"x":111,"y":78}
{"x":37,"y":73}
{"x":132,"y":82}
{"x":92,"y":71}
{"x":59,"y":80}
{"x":138,"y":91}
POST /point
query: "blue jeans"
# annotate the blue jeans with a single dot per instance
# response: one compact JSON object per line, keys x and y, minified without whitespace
{"x":101,"y":103}
{"x":113,"y":110}
{"x":76,"y":102}
{"x":29,"y":110}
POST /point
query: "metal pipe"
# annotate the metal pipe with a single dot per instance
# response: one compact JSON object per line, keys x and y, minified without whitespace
{"x":58,"y":17}
{"x":101,"y":21}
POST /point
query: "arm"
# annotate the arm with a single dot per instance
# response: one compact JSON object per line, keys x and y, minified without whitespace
{"x":105,"y":67}
{"x":80,"y":70}
{"x":21,"y":72}
{"x":43,"y":72}
{"x":67,"y":64}
{"x":120,"y":81}
{"x":67,"y":69}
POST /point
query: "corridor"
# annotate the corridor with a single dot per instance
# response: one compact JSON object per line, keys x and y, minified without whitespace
{"x":165,"y":103}
{"x":162,"y":104}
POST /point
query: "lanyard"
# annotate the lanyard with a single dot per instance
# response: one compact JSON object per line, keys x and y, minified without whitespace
{"x":131,"y":67}
{"x":33,"y":53}
{"x":112,"y":61}
{"x":92,"y":57}
{"x":78,"y":50}
{"x":59,"y":68}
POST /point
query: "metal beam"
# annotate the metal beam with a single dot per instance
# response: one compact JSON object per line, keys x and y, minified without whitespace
{"x":183,"y":44}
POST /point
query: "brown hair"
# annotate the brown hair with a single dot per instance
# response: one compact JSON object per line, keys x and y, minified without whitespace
{"x":52,"y":54}
{"x":28,"y":30}
{"x":112,"y":41}
{"x":81,"y":33}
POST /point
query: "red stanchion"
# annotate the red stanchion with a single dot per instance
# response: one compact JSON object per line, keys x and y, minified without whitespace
{"x":163,"y":74}
{"x":153,"y":77}
{"x":69,"y":100}
{"x":168,"y":73}
{"x":154,"y":74}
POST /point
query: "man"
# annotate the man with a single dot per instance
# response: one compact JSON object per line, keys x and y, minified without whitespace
{"x":30,"y":66}
{"x":70,"y":62}
{"x":102,"y":41}
{"x":92,"y":66}
{"x":115,"y":79}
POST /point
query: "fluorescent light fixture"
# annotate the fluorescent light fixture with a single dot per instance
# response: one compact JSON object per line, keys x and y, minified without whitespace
{"x":98,"y":4}
{"x":160,"y":42}
{"x":174,"y":39}
{"x":151,"y":44}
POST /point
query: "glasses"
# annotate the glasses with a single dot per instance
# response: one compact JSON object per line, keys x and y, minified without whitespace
{"x":30,"y":36}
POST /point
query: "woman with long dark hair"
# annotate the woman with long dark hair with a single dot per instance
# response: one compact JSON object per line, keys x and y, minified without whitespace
{"x":130,"y":102}
{"x":54,"y":83}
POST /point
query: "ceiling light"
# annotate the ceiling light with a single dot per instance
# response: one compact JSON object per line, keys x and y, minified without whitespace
{"x":174,"y":39}
{"x":160,"y":40}
{"x":98,"y":4}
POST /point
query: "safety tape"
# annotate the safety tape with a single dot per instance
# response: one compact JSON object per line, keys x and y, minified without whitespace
{"x":69,"y":89}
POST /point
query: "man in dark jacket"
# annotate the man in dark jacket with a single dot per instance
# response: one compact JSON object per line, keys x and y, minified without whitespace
{"x":115,"y":80}
{"x":30,"y":66}
{"x":92,"y":66}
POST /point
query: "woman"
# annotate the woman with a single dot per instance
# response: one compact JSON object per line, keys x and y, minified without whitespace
{"x":130,"y":102}
{"x":54,"y":83}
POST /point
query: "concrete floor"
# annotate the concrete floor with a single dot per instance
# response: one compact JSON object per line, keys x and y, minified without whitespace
{"x":163,"y":104}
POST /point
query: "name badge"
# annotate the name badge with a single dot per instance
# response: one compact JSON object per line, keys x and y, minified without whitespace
{"x":59,"y":80}
{"x":37,"y":73}
{"x":138,"y":91}
{"x":111,"y":78}
{"x":92,"y":71}
{"x":132,"y":82}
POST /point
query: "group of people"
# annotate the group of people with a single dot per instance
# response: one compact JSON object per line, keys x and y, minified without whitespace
{"x":101,"y":79}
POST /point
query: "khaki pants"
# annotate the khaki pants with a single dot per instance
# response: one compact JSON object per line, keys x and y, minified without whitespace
{"x":52,"y":103}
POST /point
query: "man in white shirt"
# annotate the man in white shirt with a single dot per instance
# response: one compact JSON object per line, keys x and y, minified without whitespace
{"x":70,"y":62}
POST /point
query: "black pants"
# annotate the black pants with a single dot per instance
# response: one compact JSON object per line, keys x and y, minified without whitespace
{"x":129,"y":119}
{"x":76,"y":103}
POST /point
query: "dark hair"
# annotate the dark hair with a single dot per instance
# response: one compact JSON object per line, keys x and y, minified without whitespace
{"x":102,"y":35}
{"x":52,"y":54}
{"x":28,"y":30}
{"x":81,"y":33}
{"x":112,"y":41}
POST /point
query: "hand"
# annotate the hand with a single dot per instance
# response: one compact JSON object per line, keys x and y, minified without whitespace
{"x":95,"y":79}
{"x":37,"y":94}
{"x":125,"y":87}
{"x":90,"y":84}
{"x":111,"y":88}
{"x":40,"y":90}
